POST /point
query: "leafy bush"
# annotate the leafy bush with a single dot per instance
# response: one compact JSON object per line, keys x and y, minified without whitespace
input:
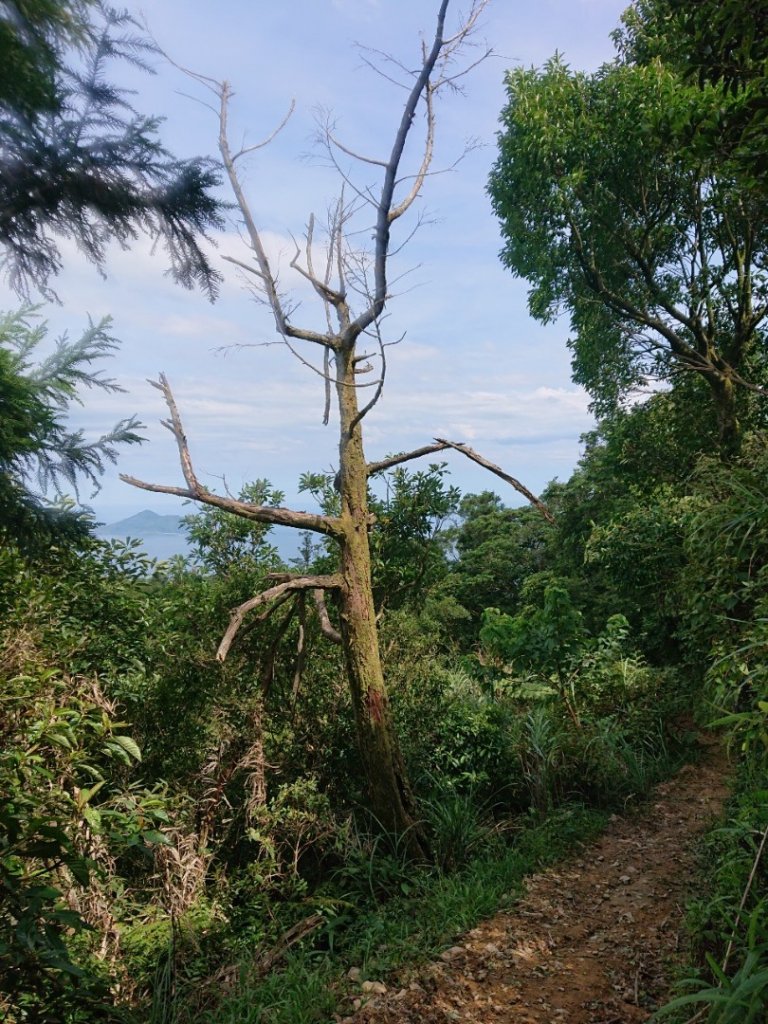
{"x":68,"y":815}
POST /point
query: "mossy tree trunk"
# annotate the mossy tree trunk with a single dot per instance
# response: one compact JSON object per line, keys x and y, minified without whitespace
{"x":346,"y":276}
{"x":392,"y":800}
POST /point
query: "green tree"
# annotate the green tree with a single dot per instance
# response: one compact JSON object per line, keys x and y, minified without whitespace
{"x":496,"y":549}
{"x":543,"y":637}
{"x":33,"y":36}
{"x":654,"y":251}
{"x":408,"y":540}
{"x":76,"y":161}
{"x":222,"y":543}
{"x":37,"y":442}
{"x":618,"y":536}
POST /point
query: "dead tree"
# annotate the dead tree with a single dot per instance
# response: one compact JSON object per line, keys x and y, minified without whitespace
{"x":353,"y":289}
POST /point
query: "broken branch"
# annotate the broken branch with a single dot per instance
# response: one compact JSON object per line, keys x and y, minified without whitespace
{"x":395,"y":460}
{"x":440,"y":445}
{"x":326,"y":626}
{"x":197,"y":492}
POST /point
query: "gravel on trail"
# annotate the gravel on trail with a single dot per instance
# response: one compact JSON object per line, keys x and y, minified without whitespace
{"x":592,"y":941}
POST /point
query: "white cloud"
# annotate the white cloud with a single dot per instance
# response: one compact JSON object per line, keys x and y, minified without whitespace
{"x":472,"y":366}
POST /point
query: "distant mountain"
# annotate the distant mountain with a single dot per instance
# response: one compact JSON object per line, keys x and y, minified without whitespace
{"x":143,"y":524}
{"x":161,"y":537}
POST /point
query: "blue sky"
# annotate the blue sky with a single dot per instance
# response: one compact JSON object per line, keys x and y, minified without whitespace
{"x":473,"y":366}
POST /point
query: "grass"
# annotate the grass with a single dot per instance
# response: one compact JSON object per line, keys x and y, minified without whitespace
{"x":405,"y":930}
{"x":726,"y":981}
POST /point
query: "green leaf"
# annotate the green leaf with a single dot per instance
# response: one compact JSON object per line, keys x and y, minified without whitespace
{"x":59,"y":740}
{"x":86,"y":795}
{"x":129,"y":745}
{"x":80,"y":871}
{"x":154,"y":838}
{"x":93,"y":818}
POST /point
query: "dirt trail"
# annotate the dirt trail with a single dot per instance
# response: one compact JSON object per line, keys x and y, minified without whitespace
{"x":592,"y":940}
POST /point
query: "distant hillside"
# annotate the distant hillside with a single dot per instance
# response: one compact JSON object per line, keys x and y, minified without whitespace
{"x":143,"y":524}
{"x":163,"y":536}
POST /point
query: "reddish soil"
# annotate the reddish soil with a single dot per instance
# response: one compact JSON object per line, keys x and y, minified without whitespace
{"x":592,"y":941}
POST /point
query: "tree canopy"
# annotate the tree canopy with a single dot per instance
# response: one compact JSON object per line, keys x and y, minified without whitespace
{"x":652,"y":249}
{"x":712,"y":42}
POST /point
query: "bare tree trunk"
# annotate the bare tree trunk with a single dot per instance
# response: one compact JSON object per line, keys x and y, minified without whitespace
{"x":350,"y":277}
{"x":391,"y":797}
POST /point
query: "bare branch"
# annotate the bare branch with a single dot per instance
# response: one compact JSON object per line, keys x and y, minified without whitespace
{"x":441,"y":445}
{"x":327,"y":385}
{"x":177,"y":429}
{"x":470,"y":23}
{"x":194,"y":490}
{"x":384,"y":58}
{"x":326,"y":525}
{"x":396,"y":460}
{"x":301,"y":648}
{"x":244,"y":266}
{"x":295,"y":584}
{"x":267,"y":674}
{"x":493,"y":468}
{"x":266,"y":142}
{"x":323,"y":289}
{"x":336,"y":252}
{"x":350,"y":152}
{"x":364,"y":196}
{"x":383,"y":221}
{"x":287,"y":596}
{"x":426,"y":160}
{"x":379,"y":384}
{"x":452,"y":79}
{"x":326,"y":626}
{"x":426,"y":83}
{"x":268,"y":279}
{"x":196,"y":99}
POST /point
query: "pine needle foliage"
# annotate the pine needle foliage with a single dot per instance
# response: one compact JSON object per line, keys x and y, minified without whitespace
{"x":89,"y":168}
{"x":38,"y":447}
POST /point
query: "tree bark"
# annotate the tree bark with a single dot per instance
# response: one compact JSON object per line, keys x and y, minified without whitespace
{"x":390,"y":793}
{"x":728,"y":425}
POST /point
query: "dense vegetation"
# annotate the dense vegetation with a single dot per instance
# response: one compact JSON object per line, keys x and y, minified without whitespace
{"x":184,"y":838}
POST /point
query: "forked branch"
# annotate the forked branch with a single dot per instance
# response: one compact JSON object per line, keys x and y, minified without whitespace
{"x":293,"y":585}
{"x":195,"y":491}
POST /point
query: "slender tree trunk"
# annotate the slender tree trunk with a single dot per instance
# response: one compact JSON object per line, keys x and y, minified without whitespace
{"x":728,"y":425}
{"x":389,"y":789}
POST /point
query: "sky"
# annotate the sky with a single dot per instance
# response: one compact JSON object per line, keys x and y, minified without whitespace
{"x":472,"y":366}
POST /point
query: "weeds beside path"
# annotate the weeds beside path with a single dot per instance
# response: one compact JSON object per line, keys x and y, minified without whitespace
{"x":592,"y":941}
